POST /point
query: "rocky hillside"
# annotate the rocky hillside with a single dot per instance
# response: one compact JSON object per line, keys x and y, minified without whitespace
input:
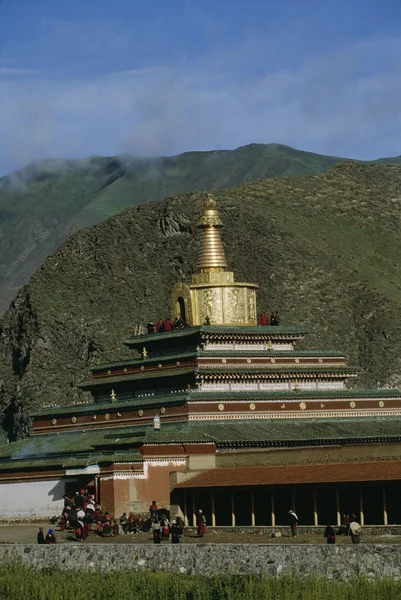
{"x":43,"y":204}
{"x":325,"y":250}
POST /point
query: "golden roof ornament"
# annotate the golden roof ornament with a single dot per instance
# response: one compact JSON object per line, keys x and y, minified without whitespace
{"x":212,"y":255}
{"x":144,"y":353}
{"x":113,"y":396}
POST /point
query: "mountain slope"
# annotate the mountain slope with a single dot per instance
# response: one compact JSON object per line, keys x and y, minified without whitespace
{"x":44,"y":203}
{"x":325,"y":250}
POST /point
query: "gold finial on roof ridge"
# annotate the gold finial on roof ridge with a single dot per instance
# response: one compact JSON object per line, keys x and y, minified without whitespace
{"x":210,"y":217}
{"x":209,"y":202}
{"x":212,"y":255}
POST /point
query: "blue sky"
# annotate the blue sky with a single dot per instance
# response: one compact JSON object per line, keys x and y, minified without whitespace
{"x":83,"y":77}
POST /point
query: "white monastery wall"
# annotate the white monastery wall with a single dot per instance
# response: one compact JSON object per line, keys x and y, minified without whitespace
{"x":31,"y":500}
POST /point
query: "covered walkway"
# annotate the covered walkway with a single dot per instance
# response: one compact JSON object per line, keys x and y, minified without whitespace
{"x":320,"y":494}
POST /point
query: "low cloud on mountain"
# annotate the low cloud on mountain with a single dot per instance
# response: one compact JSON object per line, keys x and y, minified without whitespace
{"x":343,"y":102}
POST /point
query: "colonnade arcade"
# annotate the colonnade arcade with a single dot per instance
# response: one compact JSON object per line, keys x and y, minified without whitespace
{"x":373,"y":504}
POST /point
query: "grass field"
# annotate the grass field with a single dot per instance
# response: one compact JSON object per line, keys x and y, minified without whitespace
{"x":19,"y":583}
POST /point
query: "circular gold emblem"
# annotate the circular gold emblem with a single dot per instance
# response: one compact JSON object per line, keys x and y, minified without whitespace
{"x":159,"y":365}
{"x":297,"y":360}
{"x":74,"y":420}
{"x":140,"y":413}
{"x":142,"y":368}
{"x":248,"y":360}
{"x":224,"y":360}
{"x":107,"y":416}
{"x":162,"y":410}
{"x":177,"y":364}
{"x":118,"y":414}
{"x":94,"y":418}
{"x":125,"y":370}
{"x":54,"y":421}
{"x":352,"y":404}
{"x":252,"y":406}
{"x":302,"y":406}
{"x":381,"y":403}
{"x":320,"y":360}
{"x":273,"y":360}
{"x":108,"y":372}
{"x":221,"y":407}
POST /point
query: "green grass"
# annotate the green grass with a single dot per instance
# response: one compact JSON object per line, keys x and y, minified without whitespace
{"x":21,"y":583}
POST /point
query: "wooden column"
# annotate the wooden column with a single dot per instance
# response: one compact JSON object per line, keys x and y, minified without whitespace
{"x":193,"y":511}
{"x":361,"y":515}
{"x":186,"y":522}
{"x":252,"y":510}
{"x":273,"y":513}
{"x":232,"y":510}
{"x":213,"y":512}
{"x":338,"y":508}
{"x":315,"y":515}
{"x":97,"y":498}
{"x":385,"y":515}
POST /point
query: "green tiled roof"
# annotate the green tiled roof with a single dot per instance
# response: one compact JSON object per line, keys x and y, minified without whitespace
{"x":30,"y":463}
{"x":215,"y":369}
{"x":276,"y":369}
{"x":69,"y":462}
{"x":193,"y":395}
{"x":120,"y":457}
{"x":142,"y":340}
{"x":293,"y":395}
{"x":104,"y":458}
{"x":166,"y":358}
{"x":273,"y":353}
{"x":147,"y":361}
{"x":283,"y":432}
{"x":213,"y":329}
{"x":92,"y":407}
{"x":71,"y":444}
{"x":138,"y":376}
{"x":75,"y":449}
{"x":255,"y":330}
{"x":78,"y":449}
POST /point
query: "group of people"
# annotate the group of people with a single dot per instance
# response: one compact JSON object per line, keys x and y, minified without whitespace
{"x":349,"y":526}
{"x":83,"y":514}
{"x":162,"y":528}
{"x":266,"y":320}
{"x":166,"y":325}
{"x":49,"y":539}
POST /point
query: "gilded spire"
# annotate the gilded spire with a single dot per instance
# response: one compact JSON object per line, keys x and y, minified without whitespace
{"x":211,"y":256}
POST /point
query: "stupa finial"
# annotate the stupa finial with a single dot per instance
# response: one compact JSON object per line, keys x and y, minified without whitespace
{"x":212,"y":255}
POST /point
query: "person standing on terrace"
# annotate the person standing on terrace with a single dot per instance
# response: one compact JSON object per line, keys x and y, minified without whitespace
{"x":263,"y":319}
{"x":293,"y":522}
{"x":154,"y":511}
{"x":201,"y":523}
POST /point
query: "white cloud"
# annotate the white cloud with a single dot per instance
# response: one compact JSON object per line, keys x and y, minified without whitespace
{"x":345,"y":104}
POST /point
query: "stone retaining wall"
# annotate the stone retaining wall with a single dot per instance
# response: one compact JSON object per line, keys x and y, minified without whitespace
{"x":333,"y":562}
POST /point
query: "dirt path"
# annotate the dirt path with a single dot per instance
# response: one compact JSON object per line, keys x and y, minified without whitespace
{"x":26,"y":534}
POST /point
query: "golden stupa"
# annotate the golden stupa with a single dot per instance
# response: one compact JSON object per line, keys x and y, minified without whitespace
{"x":214,"y":297}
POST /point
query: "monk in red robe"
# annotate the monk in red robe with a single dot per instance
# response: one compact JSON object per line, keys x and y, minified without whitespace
{"x":201,"y":523}
{"x":263,"y":319}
